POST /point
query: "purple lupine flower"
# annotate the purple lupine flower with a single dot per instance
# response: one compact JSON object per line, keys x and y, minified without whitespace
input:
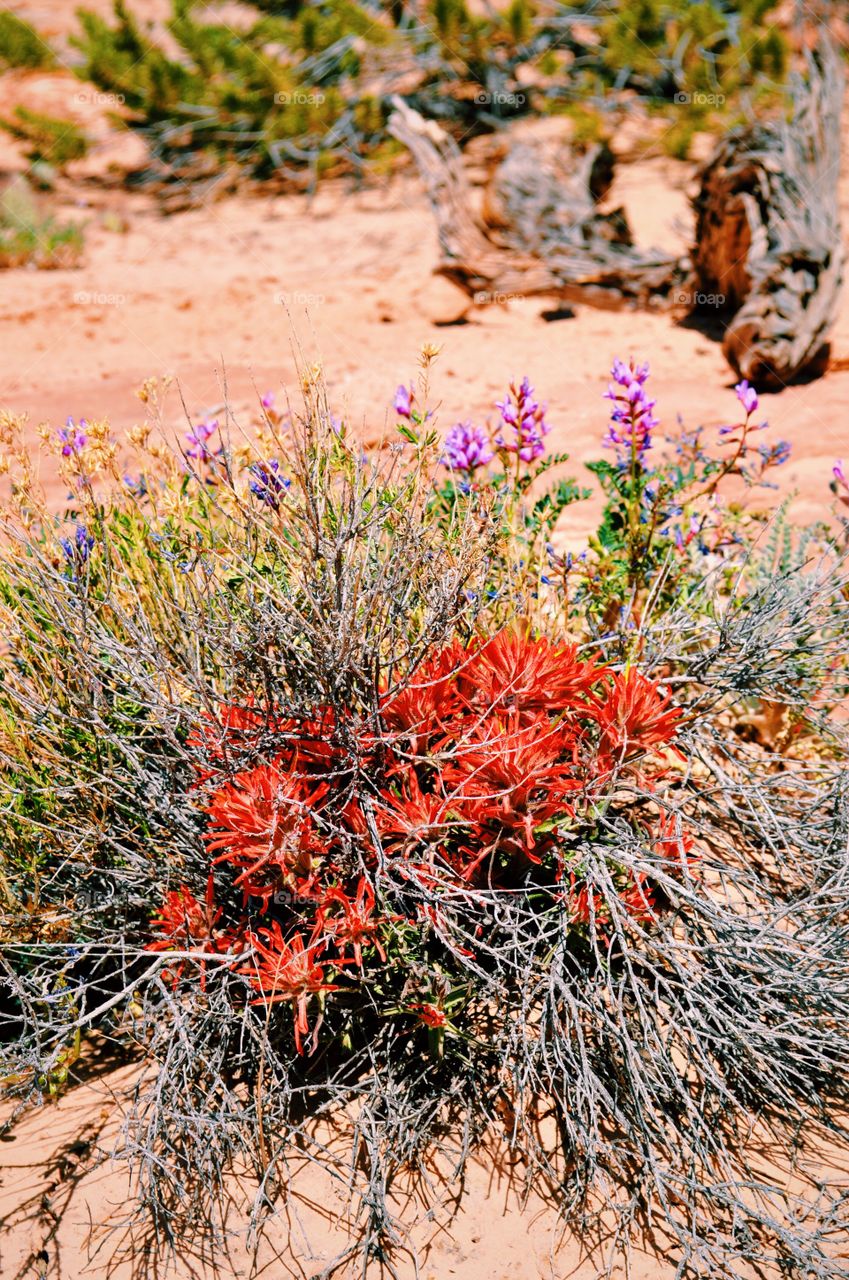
{"x":841,"y":482}
{"x":138,"y":488}
{"x":198,"y":439}
{"x":267,"y":483}
{"x":78,"y":548}
{"x":632,"y":420}
{"x":526,"y":419}
{"x":747,"y":396}
{"x":404,"y":400}
{"x":466,"y":448}
{"x":73,"y":436}
{"x":775,"y":454}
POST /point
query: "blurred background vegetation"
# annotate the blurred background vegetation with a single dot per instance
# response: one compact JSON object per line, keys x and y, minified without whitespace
{"x":294,"y":91}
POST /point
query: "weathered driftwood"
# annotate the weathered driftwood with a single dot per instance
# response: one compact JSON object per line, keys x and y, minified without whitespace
{"x":767,"y":233}
{"x":543,"y":233}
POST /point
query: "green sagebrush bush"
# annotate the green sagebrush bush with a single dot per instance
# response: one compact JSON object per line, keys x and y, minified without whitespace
{"x":341,"y":795}
{"x":305,"y":90}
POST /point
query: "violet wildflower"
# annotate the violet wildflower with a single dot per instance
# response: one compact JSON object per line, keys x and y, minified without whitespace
{"x":267,"y":483}
{"x":841,"y":482}
{"x":466,"y":448}
{"x":198,"y":439}
{"x":72,"y":436}
{"x":747,"y":396}
{"x":267,"y":400}
{"x":138,"y":488}
{"x":526,"y":419}
{"x":632,"y":420}
{"x":404,"y":400}
{"x":77,"y":549}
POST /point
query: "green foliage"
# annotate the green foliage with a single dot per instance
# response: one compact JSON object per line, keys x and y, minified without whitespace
{"x":29,"y":237}
{"x":303,"y":86}
{"x":250,"y":94}
{"x":21,"y":45}
{"x":50,"y":139}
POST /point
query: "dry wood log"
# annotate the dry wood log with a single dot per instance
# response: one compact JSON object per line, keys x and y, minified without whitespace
{"x":545,"y":233}
{"x":767,"y":233}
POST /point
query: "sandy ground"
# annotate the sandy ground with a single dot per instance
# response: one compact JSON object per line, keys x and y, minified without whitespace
{"x":64,"y":1201}
{"x":220,"y":293}
{"x":219,"y":297}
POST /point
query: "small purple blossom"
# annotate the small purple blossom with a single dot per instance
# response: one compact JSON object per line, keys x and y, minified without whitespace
{"x":72,"y":436}
{"x":198,"y":439}
{"x":747,"y":396}
{"x":267,"y":483}
{"x":77,"y":548}
{"x":775,"y":454}
{"x":525,"y":417}
{"x":841,"y":482}
{"x":404,"y":400}
{"x":632,"y":420}
{"x":267,"y":400}
{"x":467,"y":447}
{"x":138,"y":488}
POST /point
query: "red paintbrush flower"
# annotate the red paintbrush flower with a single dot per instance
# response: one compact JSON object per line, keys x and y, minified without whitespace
{"x":672,"y":843}
{"x":634,"y":716}
{"x":423,"y":703}
{"x":356,"y":926}
{"x":431,"y":1015}
{"x":288,"y":971}
{"x":264,"y":823}
{"x":188,"y":925}
{"x":588,"y":906}
{"x":511,"y":670}
{"x":514,"y":776}
{"x":414,"y":818}
{"x":638,"y":898}
{"x":233,"y":728}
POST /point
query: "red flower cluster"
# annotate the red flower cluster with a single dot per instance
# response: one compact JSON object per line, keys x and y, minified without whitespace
{"x":485,"y":757}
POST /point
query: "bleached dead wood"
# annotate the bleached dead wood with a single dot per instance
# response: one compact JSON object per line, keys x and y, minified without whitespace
{"x":767,"y":232}
{"x":550,"y":237}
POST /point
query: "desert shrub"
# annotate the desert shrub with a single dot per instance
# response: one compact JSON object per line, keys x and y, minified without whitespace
{"x":335,"y":788}
{"x":50,"y":139}
{"x":29,"y":236}
{"x":307,"y":87}
{"x":21,"y":45}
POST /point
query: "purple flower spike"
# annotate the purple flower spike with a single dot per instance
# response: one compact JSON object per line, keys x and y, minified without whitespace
{"x":267,"y":484}
{"x":841,"y":482}
{"x":631,"y":420}
{"x":78,"y":548}
{"x":198,"y":438}
{"x":525,"y":418}
{"x":73,"y":436}
{"x":747,"y":396}
{"x":404,"y":397}
{"x":467,"y":447}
